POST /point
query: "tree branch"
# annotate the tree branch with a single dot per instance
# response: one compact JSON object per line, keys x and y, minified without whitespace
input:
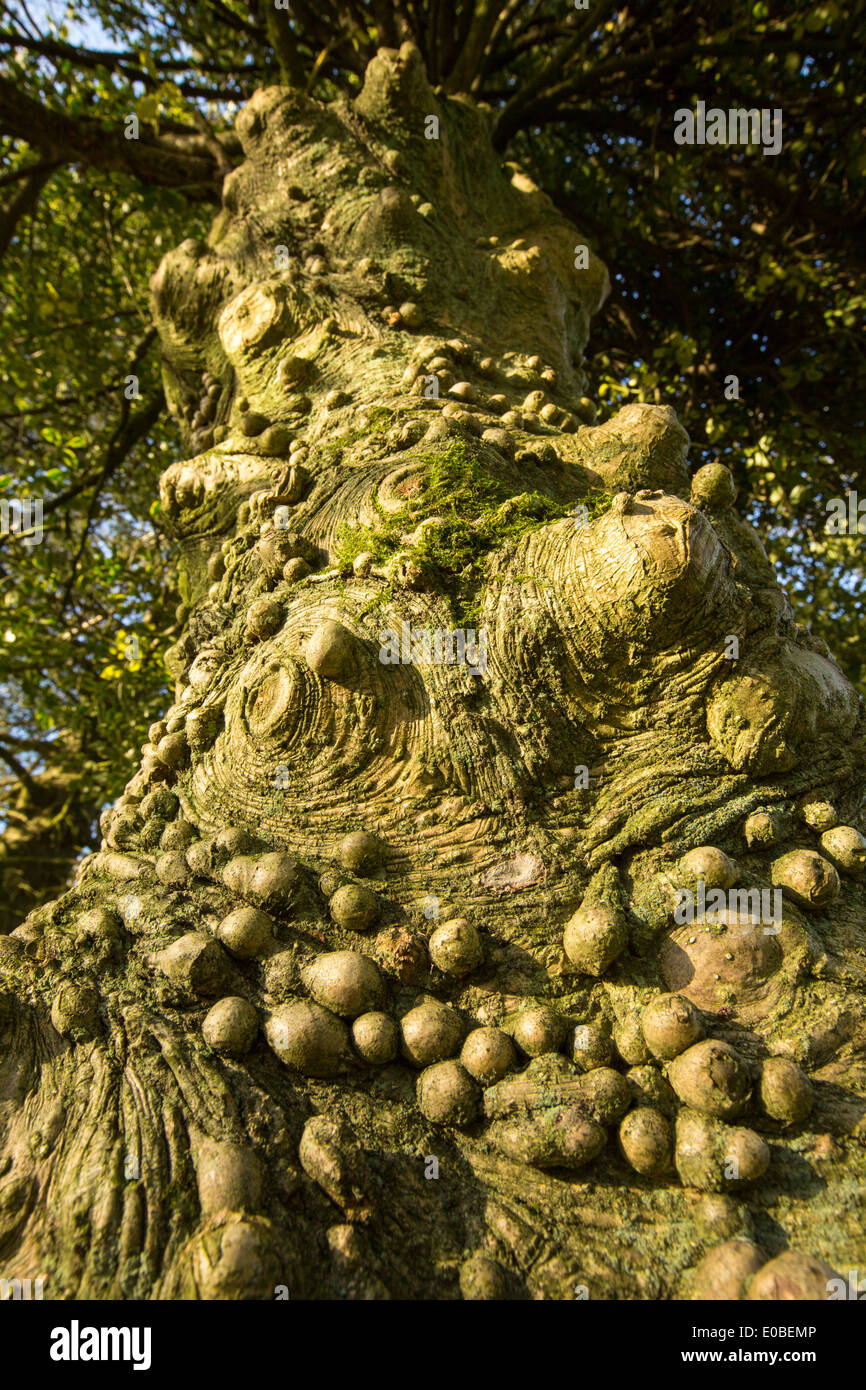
{"x":283,"y":43}
{"x":130,"y":430}
{"x":234,"y":21}
{"x":24,"y":777}
{"x":16,"y":175}
{"x":23,"y":202}
{"x":87,"y":141}
{"x":510,"y":121}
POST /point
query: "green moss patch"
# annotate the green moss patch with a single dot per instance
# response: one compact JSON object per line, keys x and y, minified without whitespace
{"x":478,"y":514}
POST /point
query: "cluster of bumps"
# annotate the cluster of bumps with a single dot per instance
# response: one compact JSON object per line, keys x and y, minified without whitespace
{"x":550,"y":1086}
{"x":545,"y":1090}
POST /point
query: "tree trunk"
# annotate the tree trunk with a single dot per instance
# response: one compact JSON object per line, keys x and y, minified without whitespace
{"x":199,"y":1097}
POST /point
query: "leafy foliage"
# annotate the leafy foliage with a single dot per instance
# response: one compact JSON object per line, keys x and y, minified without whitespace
{"x":85,"y":612}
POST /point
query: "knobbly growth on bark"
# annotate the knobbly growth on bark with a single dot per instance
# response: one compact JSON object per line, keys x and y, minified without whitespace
{"x":413,"y":968}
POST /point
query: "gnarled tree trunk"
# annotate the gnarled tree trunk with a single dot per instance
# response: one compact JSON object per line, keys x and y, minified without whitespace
{"x":198,"y":1095}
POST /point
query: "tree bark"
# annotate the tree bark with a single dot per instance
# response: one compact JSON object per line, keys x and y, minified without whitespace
{"x":202,"y":1093}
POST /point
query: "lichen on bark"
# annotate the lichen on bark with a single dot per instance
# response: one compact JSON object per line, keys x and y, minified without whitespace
{"x":352,"y":916}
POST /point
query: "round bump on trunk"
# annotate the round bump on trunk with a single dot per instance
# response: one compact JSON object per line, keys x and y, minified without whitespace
{"x":196,"y":962}
{"x":500,"y":439}
{"x":237,"y":1260}
{"x":847,"y":849}
{"x":605,"y":1094}
{"x":746,"y":1156}
{"x":275,"y":441}
{"x":345,"y":982}
{"x":713,"y":486}
{"x":671,"y":1024}
{"x":488,"y":1054}
{"x":296,"y":570}
{"x":252,"y":424}
{"x":312,"y":1039}
{"x":293,"y":372}
{"x":161,"y":802}
{"x":232,"y":841}
{"x":360,"y":852}
{"x":151,"y":834}
{"x":229,"y":1177}
{"x":589,"y":1046}
{"x":594,"y":937}
{"x":200,"y":858}
{"x":180,"y":834}
{"x":265,"y":616}
{"x":712,"y":1156}
{"x":785,"y":1090}
{"x":808,"y":878}
{"x":172,"y":869}
{"x":447,"y":1094}
{"x":646,"y":1141}
{"x":820,"y":815}
{"x":75,"y":1012}
{"x":100,"y":922}
{"x":455,"y":947}
{"x":276,"y":547}
{"x":649,"y":1088}
{"x":330,"y":881}
{"x":763,"y":829}
{"x":173,"y":750}
{"x":363,"y":563}
{"x":431,"y":1032}
{"x":713,"y":866}
{"x":230,"y":1027}
{"x":539,"y":1029}
{"x":733,"y":963}
{"x":792,"y":1277}
{"x":354,"y":907}
{"x":404,"y":954}
{"x":268,"y":879}
{"x":334,"y":653}
{"x":246,"y":933}
{"x":712,"y":1078}
{"x":376,"y":1038}
{"x":561,"y":1137}
{"x":725,"y":1270}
